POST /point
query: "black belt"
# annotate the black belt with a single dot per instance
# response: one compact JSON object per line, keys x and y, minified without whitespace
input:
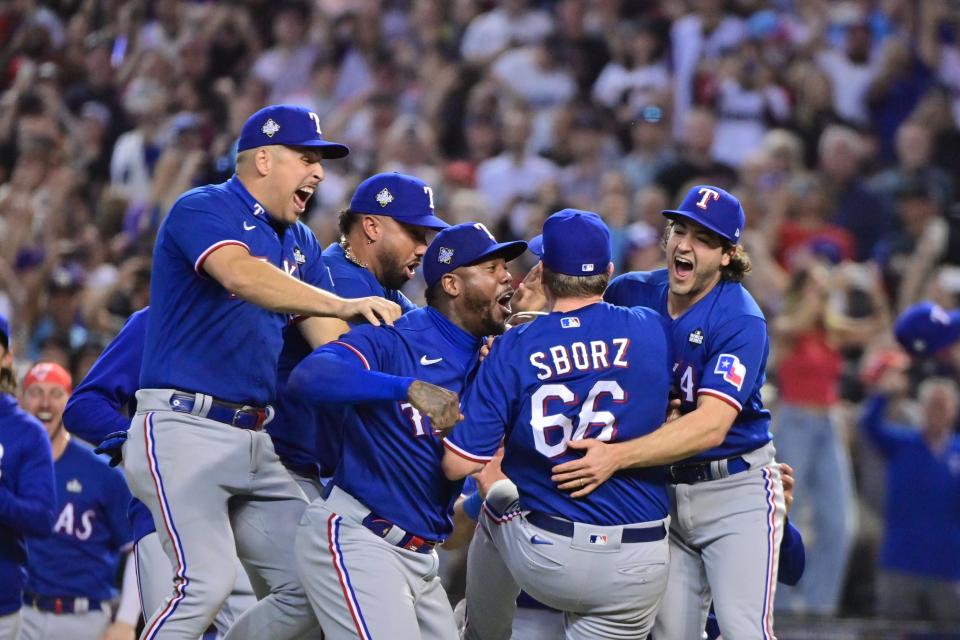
{"x":694,"y":472}
{"x":565,"y":528}
{"x":62,"y":604}
{"x":235,"y":415}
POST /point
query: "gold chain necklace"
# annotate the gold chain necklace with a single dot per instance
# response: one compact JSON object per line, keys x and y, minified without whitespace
{"x":348,"y":253}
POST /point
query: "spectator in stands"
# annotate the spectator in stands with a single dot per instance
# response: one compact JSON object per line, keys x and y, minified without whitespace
{"x":809,"y":364}
{"x":857,"y":209}
{"x":918,"y":580}
{"x":696,"y":161}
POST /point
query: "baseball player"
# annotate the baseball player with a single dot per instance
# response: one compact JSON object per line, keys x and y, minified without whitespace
{"x":389,"y":217}
{"x":366,"y":554}
{"x":587,"y":370}
{"x":727,"y":508}
{"x":27,"y":497}
{"x":72,"y":572}
{"x":535,"y":621}
{"x":94,"y":410}
{"x":221,"y":292}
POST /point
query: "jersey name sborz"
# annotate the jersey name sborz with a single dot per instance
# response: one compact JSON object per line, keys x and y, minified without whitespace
{"x":595,"y":355}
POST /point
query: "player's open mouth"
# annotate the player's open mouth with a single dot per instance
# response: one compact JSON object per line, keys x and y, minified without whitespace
{"x":301,"y":196}
{"x":410,"y":269}
{"x":504,"y":302}
{"x":682,"y":267}
{"x":44,"y":416}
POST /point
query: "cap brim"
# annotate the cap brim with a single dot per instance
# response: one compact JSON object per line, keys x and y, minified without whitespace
{"x":535,"y":246}
{"x":506,"y":250}
{"x":429,"y":222}
{"x":331,"y":150}
{"x":700,"y":221}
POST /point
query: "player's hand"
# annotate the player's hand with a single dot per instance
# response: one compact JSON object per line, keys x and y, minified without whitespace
{"x":373,"y":310}
{"x":582,"y":476}
{"x":673,"y":410}
{"x":530,"y":295}
{"x":786,"y":477}
{"x":485,"y":349}
{"x":441,"y":405}
{"x":490,"y":473}
{"x":112,"y":446}
{"x":119,"y":631}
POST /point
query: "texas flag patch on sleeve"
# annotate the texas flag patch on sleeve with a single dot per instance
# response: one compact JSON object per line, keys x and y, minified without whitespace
{"x":732,"y":369}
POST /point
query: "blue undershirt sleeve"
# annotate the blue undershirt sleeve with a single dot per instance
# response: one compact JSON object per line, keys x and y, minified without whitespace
{"x":333,"y":374}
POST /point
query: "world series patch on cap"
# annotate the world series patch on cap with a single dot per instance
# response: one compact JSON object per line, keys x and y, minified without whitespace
{"x":462,"y":245}
{"x":404,"y":198}
{"x":713,"y":208}
{"x":289,"y":125}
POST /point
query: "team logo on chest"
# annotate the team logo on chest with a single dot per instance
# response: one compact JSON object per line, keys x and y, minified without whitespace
{"x":298,"y":255}
{"x":732,"y":369}
{"x":74,"y":486}
{"x":445,"y":256}
{"x":695,"y":337}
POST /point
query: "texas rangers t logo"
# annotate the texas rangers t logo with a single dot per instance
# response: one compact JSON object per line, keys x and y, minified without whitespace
{"x":732,"y":369}
{"x":708,"y":194}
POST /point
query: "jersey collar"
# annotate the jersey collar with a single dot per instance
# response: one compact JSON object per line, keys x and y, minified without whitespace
{"x":456,"y":336}
{"x":251,"y":205}
{"x":8,"y":404}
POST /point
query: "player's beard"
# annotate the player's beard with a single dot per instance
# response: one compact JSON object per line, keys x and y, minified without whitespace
{"x":486,"y":312}
{"x":394,"y":274}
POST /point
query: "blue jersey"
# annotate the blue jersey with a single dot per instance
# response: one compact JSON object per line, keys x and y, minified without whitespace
{"x":80,"y":559}
{"x":293,"y":428}
{"x":27,"y":497}
{"x":598,"y":372}
{"x":313,"y":446}
{"x":200,"y":337}
{"x":720,"y":348}
{"x":391,"y":459}
{"x":96,"y":407}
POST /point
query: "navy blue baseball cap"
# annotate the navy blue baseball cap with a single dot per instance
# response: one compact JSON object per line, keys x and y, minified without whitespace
{"x":4,"y":331}
{"x":462,"y":245}
{"x":925,"y":328}
{"x":396,"y":195}
{"x":713,"y":208}
{"x":576,"y":243}
{"x":289,"y":125}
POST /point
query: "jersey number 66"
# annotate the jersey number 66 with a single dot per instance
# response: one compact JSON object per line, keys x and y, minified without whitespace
{"x":589,"y":418}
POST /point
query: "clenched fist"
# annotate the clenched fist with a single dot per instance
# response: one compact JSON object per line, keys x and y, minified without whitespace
{"x":439,"y":404}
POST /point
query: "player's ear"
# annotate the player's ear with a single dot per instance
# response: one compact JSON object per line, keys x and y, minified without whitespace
{"x":727,"y":256}
{"x":263,"y":160}
{"x":372,"y":228}
{"x":610,"y":270}
{"x":451,"y":284}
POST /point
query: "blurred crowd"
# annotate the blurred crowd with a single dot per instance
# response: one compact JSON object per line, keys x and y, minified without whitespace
{"x":837,"y":124}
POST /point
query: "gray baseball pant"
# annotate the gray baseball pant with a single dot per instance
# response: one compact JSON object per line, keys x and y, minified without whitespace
{"x":609,"y":590}
{"x":725,"y":539}
{"x":216,"y":492}
{"x":45,"y":625}
{"x":10,"y":626}
{"x":360,"y":585}
{"x":155,"y":581}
